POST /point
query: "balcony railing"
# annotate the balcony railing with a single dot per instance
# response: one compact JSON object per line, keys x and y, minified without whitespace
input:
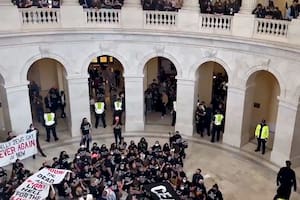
{"x":270,"y":27}
{"x":160,"y":19}
{"x":215,"y":23}
{"x":103,"y":16}
{"x":39,"y":16}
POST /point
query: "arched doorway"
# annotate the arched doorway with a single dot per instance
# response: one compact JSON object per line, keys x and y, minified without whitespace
{"x":262,"y":90}
{"x":106,"y":84}
{"x":48,"y":91}
{"x":5,"y":125}
{"x":210,"y":96}
{"x":160,"y":87}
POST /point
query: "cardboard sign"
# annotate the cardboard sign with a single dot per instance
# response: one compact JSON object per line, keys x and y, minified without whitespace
{"x":161,"y":191}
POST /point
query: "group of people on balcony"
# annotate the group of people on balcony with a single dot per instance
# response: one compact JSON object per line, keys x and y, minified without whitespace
{"x":162,"y":5}
{"x":37,"y":3}
{"x":227,"y":7}
{"x":106,"y":4}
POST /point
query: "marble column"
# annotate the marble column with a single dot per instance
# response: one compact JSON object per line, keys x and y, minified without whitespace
{"x":9,"y":13}
{"x":132,"y":14}
{"x":72,"y":14}
{"x":79,"y":104}
{"x":134,"y":103}
{"x":188,"y":15}
{"x":285,"y":127}
{"x":19,"y":107}
{"x":244,"y":17}
{"x":234,"y":116}
{"x":248,"y":6}
{"x":185,"y":106}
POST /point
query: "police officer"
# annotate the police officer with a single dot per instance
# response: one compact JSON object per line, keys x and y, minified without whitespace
{"x":286,"y":179}
{"x":50,"y":125}
{"x":262,"y":135}
{"x":217,"y":125}
{"x":118,"y":109}
{"x":100,"y":112}
{"x":174,"y":114}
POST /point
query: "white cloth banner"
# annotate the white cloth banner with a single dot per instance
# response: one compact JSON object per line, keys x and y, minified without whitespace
{"x":36,"y":187}
{"x":20,"y":147}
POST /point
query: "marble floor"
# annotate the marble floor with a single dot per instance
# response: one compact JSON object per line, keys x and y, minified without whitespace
{"x":240,"y":173}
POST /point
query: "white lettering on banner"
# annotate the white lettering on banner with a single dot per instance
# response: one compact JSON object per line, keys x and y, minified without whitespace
{"x":20,"y":147}
{"x":161,"y":192}
{"x":37,"y":186}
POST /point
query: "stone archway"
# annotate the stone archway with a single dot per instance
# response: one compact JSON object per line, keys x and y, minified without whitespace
{"x":160,"y":85}
{"x":261,"y":102}
{"x":47,"y":80}
{"x":106,"y":84}
{"x":211,"y":80}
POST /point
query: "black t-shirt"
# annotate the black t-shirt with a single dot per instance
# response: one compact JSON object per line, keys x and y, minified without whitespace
{"x":85,"y":128}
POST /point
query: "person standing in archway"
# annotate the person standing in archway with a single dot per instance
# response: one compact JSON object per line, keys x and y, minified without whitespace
{"x":100,"y":112}
{"x":117,"y":126}
{"x":217,"y":125}
{"x":62,"y":103}
{"x":262,"y":135}
{"x":286,"y":179}
{"x":174,"y":113}
{"x":50,"y":125}
{"x":118,"y":109}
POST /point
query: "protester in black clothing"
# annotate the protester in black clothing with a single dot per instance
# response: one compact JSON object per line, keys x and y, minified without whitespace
{"x":86,"y":133}
{"x":117,"y":130}
{"x":214,"y":193}
{"x":286,"y":179}
{"x":32,"y":128}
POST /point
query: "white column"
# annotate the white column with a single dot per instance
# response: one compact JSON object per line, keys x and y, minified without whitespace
{"x":248,"y":6}
{"x":78,"y":102}
{"x":9,"y":15}
{"x":132,"y":14}
{"x":134,"y":103}
{"x":294,"y":31}
{"x":188,"y":15}
{"x":72,"y":14}
{"x":244,"y":17}
{"x":19,"y":107}
{"x":285,"y":124}
{"x":185,"y":106}
{"x":234,"y":116}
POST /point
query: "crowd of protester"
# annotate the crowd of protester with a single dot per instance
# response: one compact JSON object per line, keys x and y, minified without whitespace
{"x":228,"y":7}
{"x":106,"y":4}
{"x":160,"y":95}
{"x":162,"y":5}
{"x":118,"y":172}
{"x":37,"y":3}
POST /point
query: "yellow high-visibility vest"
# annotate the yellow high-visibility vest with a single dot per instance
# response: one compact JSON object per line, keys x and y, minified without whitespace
{"x":49,"y":119}
{"x":99,"y":107}
{"x":218,"y":119}
{"x":118,"y":105}
{"x":264,"y":132}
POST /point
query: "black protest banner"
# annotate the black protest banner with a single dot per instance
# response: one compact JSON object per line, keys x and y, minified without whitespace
{"x":161,"y":191}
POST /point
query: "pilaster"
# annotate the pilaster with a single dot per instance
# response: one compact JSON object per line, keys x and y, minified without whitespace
{"x":134,"y":103}
{"x":19,"y":107}
{"x":9,"y":14}
{"x":234,"y":116}
{"x":72,"y":14}
{"x":285,"y":127}
{"x":79,"y":102}
{"x":185,"y":106}
{"x":188,"y":15}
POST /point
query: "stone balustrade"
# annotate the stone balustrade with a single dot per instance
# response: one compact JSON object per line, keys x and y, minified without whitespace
{"x":177,"y":22}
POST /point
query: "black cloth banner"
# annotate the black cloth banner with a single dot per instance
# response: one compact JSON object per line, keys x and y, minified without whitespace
{"x":161,"y":191}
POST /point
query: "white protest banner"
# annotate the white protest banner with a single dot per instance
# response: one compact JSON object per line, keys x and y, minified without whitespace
{"x":36,"y":187}
{"x":20,"y":147}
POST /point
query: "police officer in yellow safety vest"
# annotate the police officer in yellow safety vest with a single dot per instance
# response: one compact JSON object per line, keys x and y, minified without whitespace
{"x":262,"y":135}
{"x":217,"y":125}
{"x":50,"y":125}
{"x":174,"y":114}
{"x":118,"y":109}
{"x":100,"y":112}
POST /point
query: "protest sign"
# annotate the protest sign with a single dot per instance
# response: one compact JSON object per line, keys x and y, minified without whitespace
{"x":36,"y":187}
{"x":20,"y":147}
{"x":161,"y":191}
